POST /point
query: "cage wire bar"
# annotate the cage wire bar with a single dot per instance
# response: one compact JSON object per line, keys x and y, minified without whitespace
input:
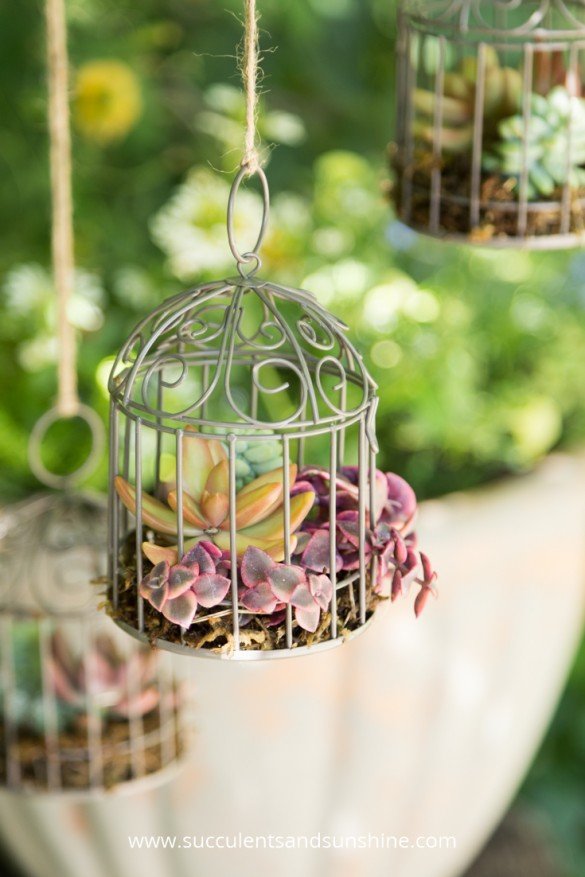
{"x":458,"y":176}
{"x":237,"y":360}
{"x":83,"y":710}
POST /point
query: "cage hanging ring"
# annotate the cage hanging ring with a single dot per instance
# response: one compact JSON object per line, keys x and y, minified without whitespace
{"x":252,"y":255}
{"x":39,"y":431}
{"x":251,"y":262}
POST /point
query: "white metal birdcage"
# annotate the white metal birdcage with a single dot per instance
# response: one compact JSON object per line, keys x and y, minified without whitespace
{"x":233,"y":380}
{"x":82,"y":708}
{"x":490,"y":143}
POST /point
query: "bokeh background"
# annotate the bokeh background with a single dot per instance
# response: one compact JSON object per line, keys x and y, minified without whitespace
{"x":480,"y":355}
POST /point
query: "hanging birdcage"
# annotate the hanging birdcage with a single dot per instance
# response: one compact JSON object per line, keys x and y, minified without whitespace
{"x":82,"y":708}
{"x":491,"y":121}
{"x":247,"y":516}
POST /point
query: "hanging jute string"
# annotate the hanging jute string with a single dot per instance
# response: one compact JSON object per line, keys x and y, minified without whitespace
{"x":250,"y":71}
{"x":62,"y":204}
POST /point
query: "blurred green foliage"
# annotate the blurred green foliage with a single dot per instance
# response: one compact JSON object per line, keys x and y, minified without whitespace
{"x":480,"y":355}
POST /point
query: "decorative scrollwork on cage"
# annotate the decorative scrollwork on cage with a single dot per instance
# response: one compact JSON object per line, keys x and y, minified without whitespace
{"x":183,"y":344}
{"x":504,"y":18}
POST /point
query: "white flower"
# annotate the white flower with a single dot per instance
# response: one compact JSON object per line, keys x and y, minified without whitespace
{"x":30,"y":295}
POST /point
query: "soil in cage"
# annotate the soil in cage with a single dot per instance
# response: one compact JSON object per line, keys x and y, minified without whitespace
{"x":498,"y":204}
{"x":75,"y":771}
{"x":257,"y":632}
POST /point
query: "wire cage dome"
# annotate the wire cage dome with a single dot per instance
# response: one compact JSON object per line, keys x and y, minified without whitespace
{"x":82,"y":708}
{"x":490,"y":143}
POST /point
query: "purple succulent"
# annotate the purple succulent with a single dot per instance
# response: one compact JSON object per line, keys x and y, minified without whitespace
{"x":389,"y":538}
{"x":103,"y":675}
{"x":178,"y":590}
{"x":269,"y":586}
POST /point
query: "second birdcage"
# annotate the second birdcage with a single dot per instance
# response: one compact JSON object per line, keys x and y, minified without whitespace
{"x":82,"y":708}
{"x":491,"y":121}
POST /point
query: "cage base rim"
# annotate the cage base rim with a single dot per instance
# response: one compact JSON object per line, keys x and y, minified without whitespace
{"x":148,"y":782}
{"x":508,"y":242}
{"x":243,"y":654}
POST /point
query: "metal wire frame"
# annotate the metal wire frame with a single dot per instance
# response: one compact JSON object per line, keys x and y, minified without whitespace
{"x":52,"y":547}
{"x":510,"y":19}
{"x":222,"y":338}
{"x":469,"y":29}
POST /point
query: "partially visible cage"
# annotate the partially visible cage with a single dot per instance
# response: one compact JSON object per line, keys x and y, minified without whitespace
{"x":490,"y":143}
{"x":82,"y":708}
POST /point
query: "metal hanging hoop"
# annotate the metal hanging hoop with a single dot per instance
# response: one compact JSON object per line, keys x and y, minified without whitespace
{"x":244,"y":259}
{"x":38,"y":433}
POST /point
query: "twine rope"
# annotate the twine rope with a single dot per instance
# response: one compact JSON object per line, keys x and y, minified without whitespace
{"x":250,"y":73}
{"x":61,"y":202}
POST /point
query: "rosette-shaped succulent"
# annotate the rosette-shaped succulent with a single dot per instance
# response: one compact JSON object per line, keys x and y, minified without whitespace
{"x":502,"y":97}
{"x":389,"y":536}
{"x":254,"y":458}
{"x":206,"y":505}
{"x":551,"y":144}
{"x":100,"y":676}
{"x":119,"y":686}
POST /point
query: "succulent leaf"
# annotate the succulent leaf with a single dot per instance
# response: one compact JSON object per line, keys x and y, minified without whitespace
{"x":307,"y":611}
{"x":210,"y":590}
{"x":215,"y":507}
{"x":272,"y":527}
{"x":192,"y":512}
{"x":322,"y":590}
{"x":154,"y":587}
{"x":181,"y":610}
{"x":154,"y":513}
{"x":256,"y":565}
{"x":284,"y":580}
{"x":259,"y":599}
{"x":181,"y":579}
{"x":158,"y":553}
{"x":256,"y":504}
{"x":200,"y":457}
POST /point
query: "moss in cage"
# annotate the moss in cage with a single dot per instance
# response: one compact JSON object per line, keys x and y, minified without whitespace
{"x":74,"y":728}
{"x":76,"y":772}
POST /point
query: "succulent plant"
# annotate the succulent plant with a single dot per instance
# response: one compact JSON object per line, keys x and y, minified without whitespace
{"x":389,"y":536}
{"x":178,"y":590}
{"x":254,"y":458}
{"x":267,"y":586}
{"x":206,"y":505}
{"x":270,"y":587}
{"x":502,"y":96}
{"x":555,"y":130}
{"x":100,"y":675}
{"x":121,"y":687}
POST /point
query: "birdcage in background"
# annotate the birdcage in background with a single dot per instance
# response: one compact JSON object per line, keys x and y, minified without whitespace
{"x":82,"y":708}
{"x":490,"y":143}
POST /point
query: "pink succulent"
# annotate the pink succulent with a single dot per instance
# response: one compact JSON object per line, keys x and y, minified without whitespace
{"x":178,"y":590}
{"x":269,"y":586}
{"x":389,"y":538}
{"x":103,"y":674}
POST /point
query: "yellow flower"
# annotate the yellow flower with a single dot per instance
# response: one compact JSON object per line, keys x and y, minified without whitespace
{"x":107,"y":100}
